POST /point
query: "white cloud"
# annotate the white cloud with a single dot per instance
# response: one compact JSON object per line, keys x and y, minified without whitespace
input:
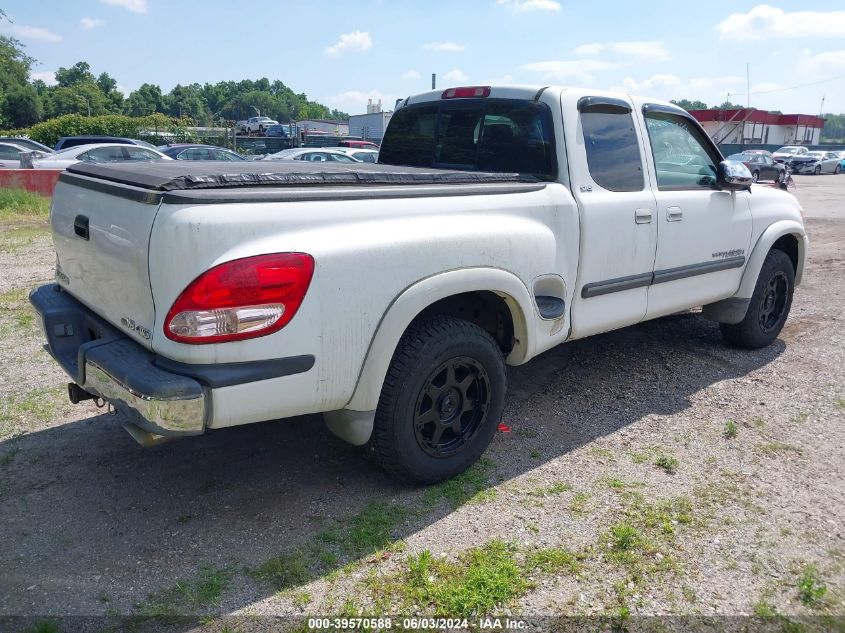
{"x":764,"y":22}
{"x":32,"y":33}
{"x":580,"y":71}
{"x":355,"y":101}
{"x":411,"y":74}
{"x":523,"y":6}
{"x":650,"y":50}
{"x":498,"y":81}
{"x":831,"y":60}
{"x":135,"y":6}
{"x":356,"y":41}
{"x":712,"y":90}
{"x":444,"y":47}
{"x":91,"y":23}
{"x":456,"y":75}
{"x":48,"y":77}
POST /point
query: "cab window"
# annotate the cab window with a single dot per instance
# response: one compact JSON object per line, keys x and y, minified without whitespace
{"x":613,"y":151}
{"x":683,"y":159}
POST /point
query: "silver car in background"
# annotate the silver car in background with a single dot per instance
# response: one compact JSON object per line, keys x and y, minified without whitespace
{"x":817,"y":162}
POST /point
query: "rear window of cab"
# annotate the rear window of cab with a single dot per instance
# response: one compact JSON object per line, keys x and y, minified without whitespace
{"x":492,"y":135}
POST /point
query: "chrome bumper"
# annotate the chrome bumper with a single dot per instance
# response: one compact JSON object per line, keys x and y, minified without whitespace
{"x":163,"y":416}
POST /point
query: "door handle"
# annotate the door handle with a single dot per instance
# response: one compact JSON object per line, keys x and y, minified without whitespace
{"x":642,"y":216}
{"x":80,"y":226}
{"x":674,"y":214}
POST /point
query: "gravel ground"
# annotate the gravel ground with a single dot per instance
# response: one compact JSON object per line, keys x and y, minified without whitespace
{"x":746,"y":511}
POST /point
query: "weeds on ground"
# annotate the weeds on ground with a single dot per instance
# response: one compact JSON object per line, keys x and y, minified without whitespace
{"x":187,"y":596}
{"x":17,"y":204}
{"x":776,"y":448}
{"x":549,"y":491}
{"x":472,"y":486}
{"x":667,"y":463}
{"x":731,"y":430}
{"x":811,"y":589}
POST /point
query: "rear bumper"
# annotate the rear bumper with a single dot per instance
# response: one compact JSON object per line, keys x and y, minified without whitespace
{"x":158,"y":394}
{"x":107,"y":364}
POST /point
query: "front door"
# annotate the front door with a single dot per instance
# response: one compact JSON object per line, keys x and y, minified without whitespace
{"x":618,"y":214}
{"x":704,"y":233}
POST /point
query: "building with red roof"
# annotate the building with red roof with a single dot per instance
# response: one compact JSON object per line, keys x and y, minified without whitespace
{"x":753,"y":126}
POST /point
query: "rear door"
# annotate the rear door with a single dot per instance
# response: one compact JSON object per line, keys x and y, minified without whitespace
{"x":618,"y":213}
{"x":704,"y":232}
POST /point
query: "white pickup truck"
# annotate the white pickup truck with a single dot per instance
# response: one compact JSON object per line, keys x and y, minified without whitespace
{"x":499,"y":223}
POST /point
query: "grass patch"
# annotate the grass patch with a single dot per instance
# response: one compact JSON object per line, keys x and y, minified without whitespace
{"x":554,"y":560}
{"x":811,"y":589}
{"x":667,"y":463}
{"x":471,"y":486}
{"x":16,"y":204}
{"x":731,"y":430}
{"x":478,"y":582}
{"x":776,"y":448}
{"x":614,"y":483}
{"x":45,"y":626}
{"x":578,"y":505}
{"x":367,"y":532}
{"x":549,"y":491}
{"x":20,"y":237}
{"x":764,"y":609}
{"x":15,"y":311}
{"x":302,"y":599}
{"x":18,"y":410}
{"x":187,"y":596}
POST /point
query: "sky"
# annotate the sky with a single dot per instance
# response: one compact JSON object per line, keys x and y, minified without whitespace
{"x":344,"y":53}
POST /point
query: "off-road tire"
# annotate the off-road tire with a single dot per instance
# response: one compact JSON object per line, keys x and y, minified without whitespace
{"x":769,"y":307}
{"x":397,"y":442}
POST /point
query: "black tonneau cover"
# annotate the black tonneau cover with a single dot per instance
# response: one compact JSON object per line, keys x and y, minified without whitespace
{"x":178,"y":175}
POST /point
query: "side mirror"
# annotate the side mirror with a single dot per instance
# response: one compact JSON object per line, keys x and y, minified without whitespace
{"x":732,"y":175}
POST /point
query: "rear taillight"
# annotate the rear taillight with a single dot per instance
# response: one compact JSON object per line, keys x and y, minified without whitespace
{"x":241,"y":299}
{"x":467,"y":92}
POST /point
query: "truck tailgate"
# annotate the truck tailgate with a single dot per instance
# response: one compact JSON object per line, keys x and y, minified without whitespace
{"x":102,"y":248}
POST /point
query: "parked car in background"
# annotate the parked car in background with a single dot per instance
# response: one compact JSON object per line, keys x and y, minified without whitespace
{"x":842,"y":162}
{"x":358,"y":144}
{"x":278,"y":130}
{"x":364,"y":155}
{"x":317,"y":155}
{"x":762,"y":167}
{"x":257,"y":124}
{"x":816,"y":163}
{"x":187,"y":151}
{"x":98,"y":153}
{"x":240,"y":127}
{"x":10,"y":155}
{"x":74,"y":141}
{"x":27,"y":143}
{"x":788,"y":152}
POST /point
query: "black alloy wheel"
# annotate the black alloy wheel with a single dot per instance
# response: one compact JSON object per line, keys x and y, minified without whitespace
{"x":451,"y":406}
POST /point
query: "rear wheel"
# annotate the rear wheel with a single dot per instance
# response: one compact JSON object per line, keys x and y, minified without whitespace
{"x":838,"y":169}
{"x":441,"y":400}
{"x":769,"y":305}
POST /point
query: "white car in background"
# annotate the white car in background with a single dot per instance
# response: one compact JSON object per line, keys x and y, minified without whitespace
{"x":788,"y":152}
{"x":98,"y":153}
{"x":314,"y":154}
{"x":10,"y":155}
{"x":364,"y":155}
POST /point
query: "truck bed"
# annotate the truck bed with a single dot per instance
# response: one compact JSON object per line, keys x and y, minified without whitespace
{"x":223,"y":177}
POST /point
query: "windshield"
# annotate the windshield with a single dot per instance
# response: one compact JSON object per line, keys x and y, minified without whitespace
{"x":495,"y":135}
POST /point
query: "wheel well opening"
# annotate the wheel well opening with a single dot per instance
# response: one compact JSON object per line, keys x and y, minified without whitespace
{"x":789,"y":245}
{"x":483,"y":308}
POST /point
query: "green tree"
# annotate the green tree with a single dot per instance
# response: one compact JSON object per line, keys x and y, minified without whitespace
{"x":79,"y":73}
{"x":22,"y":106}
{"x":686,"y":104}
{"x":145,"y":100}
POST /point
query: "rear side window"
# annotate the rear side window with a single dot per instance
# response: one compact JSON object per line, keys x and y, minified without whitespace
{"x":496,"y":135}
{"x":613,"y":152}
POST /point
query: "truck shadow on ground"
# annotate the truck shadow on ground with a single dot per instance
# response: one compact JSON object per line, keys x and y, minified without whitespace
{"x":94,"y":524}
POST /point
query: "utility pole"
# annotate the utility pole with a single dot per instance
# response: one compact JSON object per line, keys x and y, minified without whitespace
{"x":433,"y":81}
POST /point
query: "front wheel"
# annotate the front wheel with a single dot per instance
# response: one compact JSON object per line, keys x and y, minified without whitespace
{"x":838,"y":169}
{"x":818,"y":170}
{"x":755,"y":176}
{"x":441,"y":400}
{"x":769,"y":306}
